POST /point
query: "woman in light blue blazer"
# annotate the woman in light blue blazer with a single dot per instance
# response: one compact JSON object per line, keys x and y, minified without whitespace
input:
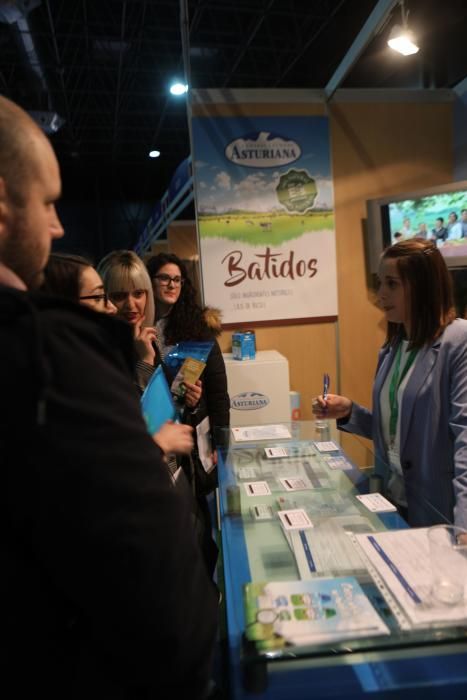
{"x":419,"y":419}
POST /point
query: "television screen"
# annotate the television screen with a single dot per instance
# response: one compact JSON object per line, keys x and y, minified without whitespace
{"x":438,"y":217}
{"x":437,"y":213}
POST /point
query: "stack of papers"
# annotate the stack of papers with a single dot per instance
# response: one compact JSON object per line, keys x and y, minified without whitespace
{"x":401,"y":559}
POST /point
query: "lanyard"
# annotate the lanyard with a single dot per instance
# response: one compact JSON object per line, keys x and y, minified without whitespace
{"x":396,"y":381}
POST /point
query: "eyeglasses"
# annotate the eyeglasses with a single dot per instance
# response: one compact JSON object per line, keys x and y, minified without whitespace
{"x":118,"y":297}
{"x":97,"y":297}
{"x":165,"y":280}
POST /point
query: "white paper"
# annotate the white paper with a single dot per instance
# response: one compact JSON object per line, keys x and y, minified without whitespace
{"x":326,"y":550}
{"x":262,"y":512}
{"x":295,"y":519}
{"x":402,"y":560}
{"x":257,"y":488}
{"x":327,"y":446}
{"x":338,"y":463}
{"x":246,"y":473}
{"x":292,"y":483}
{"x":203,"y":440}
{"x":275,"y":452}
{"x":376,"y":503}
{"x":261,"y":432}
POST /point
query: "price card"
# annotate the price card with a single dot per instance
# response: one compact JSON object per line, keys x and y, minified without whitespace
{"x":376,"y":503}
{"x":327,"y":446}
{"x":338,"y":463}
{"x":246,"y":473}
{"x":296,"y":519}
{"x":295,"y":483}
{"x":262,"y":512}
{"x":276,"y":452}
{"x":257,"y":488}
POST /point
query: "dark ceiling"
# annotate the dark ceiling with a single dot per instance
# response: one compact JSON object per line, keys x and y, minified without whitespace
{"x":104,"y":66}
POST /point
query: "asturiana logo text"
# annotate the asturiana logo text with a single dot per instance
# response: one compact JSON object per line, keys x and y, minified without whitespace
{"x":263,"y":150}
{"x":249,"y":401}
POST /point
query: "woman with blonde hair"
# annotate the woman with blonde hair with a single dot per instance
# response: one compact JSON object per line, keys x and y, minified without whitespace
{"x":129,"y":288}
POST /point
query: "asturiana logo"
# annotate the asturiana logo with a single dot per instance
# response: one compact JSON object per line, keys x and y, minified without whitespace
{"x":249,"y":401}
{"x":263,"y":150}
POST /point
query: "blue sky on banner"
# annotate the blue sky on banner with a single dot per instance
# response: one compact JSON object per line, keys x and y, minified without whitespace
{"x":222,"y":184}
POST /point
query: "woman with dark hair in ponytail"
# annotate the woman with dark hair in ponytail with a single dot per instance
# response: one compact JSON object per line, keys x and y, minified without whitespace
{"x":180,"y":318}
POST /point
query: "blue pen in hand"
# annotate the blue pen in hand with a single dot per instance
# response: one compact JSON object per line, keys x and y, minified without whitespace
{"x":326,"y":382}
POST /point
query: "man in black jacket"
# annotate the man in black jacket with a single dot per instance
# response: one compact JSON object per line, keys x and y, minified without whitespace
{"x":105,"y":594}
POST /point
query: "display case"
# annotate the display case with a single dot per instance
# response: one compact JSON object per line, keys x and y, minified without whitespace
{"x":308,"y":614}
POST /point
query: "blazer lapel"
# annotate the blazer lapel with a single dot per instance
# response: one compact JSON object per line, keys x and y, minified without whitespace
{"x":385,"y":363}
{"x":423,"y":366}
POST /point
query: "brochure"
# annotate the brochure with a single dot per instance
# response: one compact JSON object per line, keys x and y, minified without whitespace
{"x":190,"y":371}
{"x":293,"y":613}
{"x":156,"y":402}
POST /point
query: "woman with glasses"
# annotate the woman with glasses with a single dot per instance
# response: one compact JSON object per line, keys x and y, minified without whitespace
{"x":180,"y":318}
{"x":73,"y":277}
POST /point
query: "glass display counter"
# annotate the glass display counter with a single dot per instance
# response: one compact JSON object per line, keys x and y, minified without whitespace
{"x":308,"y":615}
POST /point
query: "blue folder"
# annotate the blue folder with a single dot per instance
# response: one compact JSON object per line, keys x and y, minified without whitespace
{"x":157,"y":403}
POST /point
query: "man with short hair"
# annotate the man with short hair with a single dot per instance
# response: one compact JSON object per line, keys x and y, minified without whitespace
{"x":105,"y":591}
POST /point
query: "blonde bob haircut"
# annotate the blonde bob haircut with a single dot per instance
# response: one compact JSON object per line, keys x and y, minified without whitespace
{"x":124,"y":271}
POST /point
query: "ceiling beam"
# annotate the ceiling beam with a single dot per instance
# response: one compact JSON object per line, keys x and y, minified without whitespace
{"x":372,"y":26}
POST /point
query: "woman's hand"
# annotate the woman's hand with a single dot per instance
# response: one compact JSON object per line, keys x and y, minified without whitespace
{"x":174,"y":438}
{"x":333,"y":406}
{"x":193,"y":393}
{"x":145,"y":336}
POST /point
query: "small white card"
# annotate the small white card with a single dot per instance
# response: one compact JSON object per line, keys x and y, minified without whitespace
{"x":295,"y":519}
{"x":262,"y":512}
{"x":295,"y":483}
{"x":246,"y":473}
{"x":276,"y":452}
{"x":338,"y":463}
{"x":376,"y":503}
{"x":327,"y":446}
{"x":257,"y":488}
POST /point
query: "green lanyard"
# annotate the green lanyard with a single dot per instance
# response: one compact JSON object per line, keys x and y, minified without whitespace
{"x":396,"y":381}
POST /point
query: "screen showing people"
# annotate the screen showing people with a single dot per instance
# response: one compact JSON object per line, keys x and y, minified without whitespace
{"x":441,"y":218}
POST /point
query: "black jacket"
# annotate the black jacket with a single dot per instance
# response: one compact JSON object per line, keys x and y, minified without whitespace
{"x":105,"y":594}
{"x":215,"y":404}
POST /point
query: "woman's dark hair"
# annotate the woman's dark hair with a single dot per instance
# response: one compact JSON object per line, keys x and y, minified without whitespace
{"x":62,"y":275}
{"x":429,"y":290}
{"x":186,"y":320}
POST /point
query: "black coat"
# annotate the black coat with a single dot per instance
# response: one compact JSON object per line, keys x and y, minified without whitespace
{"x":215,"y":404}
{"x":104,"y":590}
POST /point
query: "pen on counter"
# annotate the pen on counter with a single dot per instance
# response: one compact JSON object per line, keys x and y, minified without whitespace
{"x":326,"y":382}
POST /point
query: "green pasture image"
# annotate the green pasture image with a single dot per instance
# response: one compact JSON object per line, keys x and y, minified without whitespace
{"x":273,"y":228}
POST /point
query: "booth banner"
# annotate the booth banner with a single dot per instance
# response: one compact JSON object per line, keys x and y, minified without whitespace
{"x":264,"y":200}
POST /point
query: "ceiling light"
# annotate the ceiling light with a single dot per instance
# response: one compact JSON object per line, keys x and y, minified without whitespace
{"x":401,"y":39}
{"x":178,"y":89}
{"x":154,"y":154}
